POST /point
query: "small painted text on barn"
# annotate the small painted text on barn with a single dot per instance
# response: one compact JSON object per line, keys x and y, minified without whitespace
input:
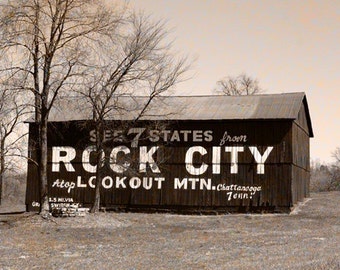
{"x":108,"y":182}
{"x":233,"y":192}
{"x":231,"y":138}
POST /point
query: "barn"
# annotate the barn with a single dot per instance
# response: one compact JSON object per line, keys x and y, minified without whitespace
{"x":187,"y":153}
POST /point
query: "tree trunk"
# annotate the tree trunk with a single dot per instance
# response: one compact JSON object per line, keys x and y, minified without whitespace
{"x":99,"y":150}
{"x":96,"y":203}
{"x":44,"y":206}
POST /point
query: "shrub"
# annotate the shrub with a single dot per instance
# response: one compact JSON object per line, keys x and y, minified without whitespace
{"x":324,"y":177}
{"x":14,"y":188}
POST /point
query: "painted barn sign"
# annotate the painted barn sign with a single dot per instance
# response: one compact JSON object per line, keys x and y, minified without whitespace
{"x":220,"y":157}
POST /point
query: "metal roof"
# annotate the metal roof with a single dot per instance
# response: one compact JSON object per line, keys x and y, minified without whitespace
{"x":216,"y":107}
{"x":283,"y":106}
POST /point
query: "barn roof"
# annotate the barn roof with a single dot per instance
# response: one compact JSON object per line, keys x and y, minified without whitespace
{"x":216,"y":107}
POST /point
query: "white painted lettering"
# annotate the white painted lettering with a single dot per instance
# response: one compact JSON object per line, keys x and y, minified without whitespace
{"x":91,"y":182}
{"x":228,"y":138}
{"x":135,"y":182}
{"x":234,"y":150}
{"x":113,"y":159}
{"x":64,"y":185}
{"x":208,"y":135}
{"x":197,"y":136}
{"x":175,"y":136}
{"x":147,"y":182}
{"x":178,"y":184}
{"x":120,"y":182}
{"x":185,"y":134}
{"x":193,"y":182}
{"x":159,"y":180}
{"x":260,"y":159}
{"x":145,"y":157}
{"x":63,"y":154}
{"x":189,"y":160}
{"x":216,"y":160}
{"x":139,"y":132}
{"x":93,"y":137}
{"x":154,"y":135}
{"x":107,"y":182}
{"x":79,"y":183}
{"x":86,"y":159}
{"x":205,"y":184}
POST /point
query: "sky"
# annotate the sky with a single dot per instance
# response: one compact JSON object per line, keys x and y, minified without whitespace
{"x":288,"y":46}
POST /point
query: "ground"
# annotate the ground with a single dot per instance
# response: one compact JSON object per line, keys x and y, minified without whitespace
{"x":309,"y":238}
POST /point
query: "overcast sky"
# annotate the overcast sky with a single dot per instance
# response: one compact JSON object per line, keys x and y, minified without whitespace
{"x":289,"y":46}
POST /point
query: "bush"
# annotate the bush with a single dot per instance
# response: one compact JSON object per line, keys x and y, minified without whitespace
{"x":325,"y":178}
{"x":14,"y":188}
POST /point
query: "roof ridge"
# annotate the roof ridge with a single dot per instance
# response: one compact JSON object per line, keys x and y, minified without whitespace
{"x":221,"y":95}
{"x":200,"y":95}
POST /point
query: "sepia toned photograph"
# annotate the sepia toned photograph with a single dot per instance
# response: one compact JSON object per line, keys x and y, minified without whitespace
{"x":167,"y":134}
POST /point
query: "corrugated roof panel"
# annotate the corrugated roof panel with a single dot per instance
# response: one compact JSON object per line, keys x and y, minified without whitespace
{"x":273,"y":106}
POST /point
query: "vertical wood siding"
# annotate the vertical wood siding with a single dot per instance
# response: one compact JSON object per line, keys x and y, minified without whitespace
{"x":283,"y":182}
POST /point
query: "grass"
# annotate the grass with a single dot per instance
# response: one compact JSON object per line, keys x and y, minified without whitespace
{"x":309,"y":238}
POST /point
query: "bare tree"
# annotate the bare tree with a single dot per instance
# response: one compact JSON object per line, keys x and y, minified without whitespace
{"x":320,"y":177}
{"x":335,"y":170}
{"x":326,"y":177}
{"x":47,"y":42}
{"x":10,"y":117}
{"x":336,"y":155}
{"x":137,"y":66}
{"x":59,"y":47}
{"x":239,"y":85}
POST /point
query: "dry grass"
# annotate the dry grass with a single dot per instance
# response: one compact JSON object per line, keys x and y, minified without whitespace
{"x":307,"y":239}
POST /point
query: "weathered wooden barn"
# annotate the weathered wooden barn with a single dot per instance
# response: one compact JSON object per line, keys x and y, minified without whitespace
{"x":188,"y":153}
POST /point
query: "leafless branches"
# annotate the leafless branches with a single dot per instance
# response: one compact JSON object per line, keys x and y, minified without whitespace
{"x":56,"y":48}
{"x":326,"y":177}
{"x":336,"y":155}
{"x":44,"y":43}
{"x":137,"y":63}
{"x":240,"y":85}
{"x":11,"y":112}
{"x":49,"y":40}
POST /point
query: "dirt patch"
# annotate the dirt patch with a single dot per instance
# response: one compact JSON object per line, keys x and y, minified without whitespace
{"x":307,"y":239}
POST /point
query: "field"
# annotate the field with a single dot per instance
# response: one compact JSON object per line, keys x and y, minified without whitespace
{"x":309,"y":238}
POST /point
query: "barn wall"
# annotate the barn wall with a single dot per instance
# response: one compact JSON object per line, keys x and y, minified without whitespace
{"x":32,"y":187}
{"x":301,"y":158}
{"x":178,"y":188}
